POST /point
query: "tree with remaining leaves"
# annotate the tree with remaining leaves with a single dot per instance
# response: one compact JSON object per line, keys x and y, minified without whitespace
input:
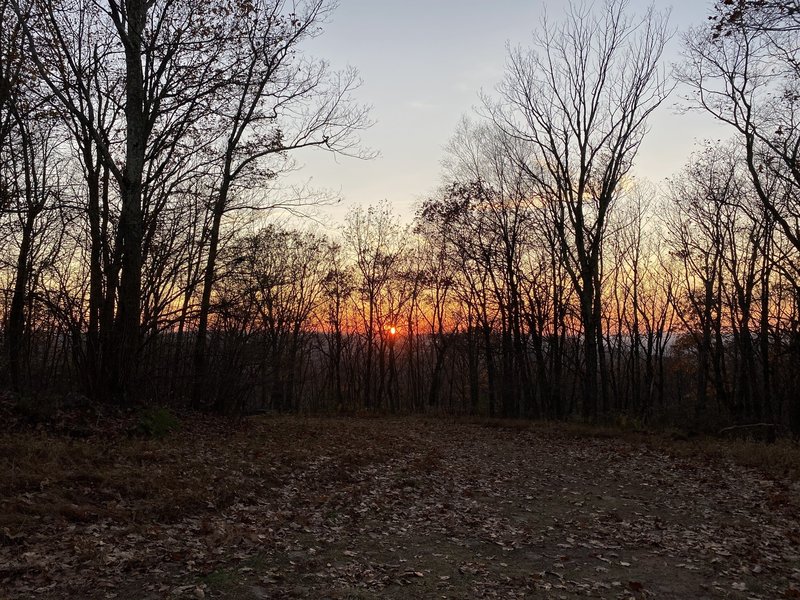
{"x":744,"y":71}
{"x":747,"y":76}
{"x":767,"y":16}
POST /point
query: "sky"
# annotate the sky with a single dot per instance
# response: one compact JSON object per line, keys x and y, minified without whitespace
{"x":423,"y":65}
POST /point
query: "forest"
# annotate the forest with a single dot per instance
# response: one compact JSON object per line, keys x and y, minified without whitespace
{"x":557,"y":379}
{"x":145,"y":260}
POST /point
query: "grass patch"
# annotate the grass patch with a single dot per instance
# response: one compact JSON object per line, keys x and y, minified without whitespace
{"x":203,"y":468}
{"x":221,"y":579}
{"x":129,"y":479}
{"x":156,"y":422}
{"x":778,"y":459}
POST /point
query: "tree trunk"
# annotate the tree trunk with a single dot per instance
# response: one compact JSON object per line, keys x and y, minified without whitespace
{"x":16,"y":314}
{"x":130,"y":223}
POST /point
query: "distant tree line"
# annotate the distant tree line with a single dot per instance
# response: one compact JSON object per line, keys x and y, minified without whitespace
{"x":143,"y":142}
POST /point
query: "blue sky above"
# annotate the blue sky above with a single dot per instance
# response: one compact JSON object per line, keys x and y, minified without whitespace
{"x":424,"y":63}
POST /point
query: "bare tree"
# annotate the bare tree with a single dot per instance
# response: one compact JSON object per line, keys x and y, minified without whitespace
{"x":32,"y":161}
{"x":337,"y":289}
{"x":748,"y":78}
{"x":580,"y":99}
{"x":374,"y":240}
{"x":170,"y":56}
{"x":276,"y":102}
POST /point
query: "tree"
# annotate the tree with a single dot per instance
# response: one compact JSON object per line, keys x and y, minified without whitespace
{"x":705,"y":197}
{"x":437,"y":277}
{"x":374,"y":240}
{"x":746,"y":75}
{"x":32,"y":162}
{"x":491,"y":201}
{"x":170,"y":56}
{"x":337,"y":289}
{"x":276,"y":103}
{"x":158,"y":94}
{"x":579,"y":100}
{"x":766,"y":16}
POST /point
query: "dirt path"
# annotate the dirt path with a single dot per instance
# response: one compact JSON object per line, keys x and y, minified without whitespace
{"x":426,"y":509}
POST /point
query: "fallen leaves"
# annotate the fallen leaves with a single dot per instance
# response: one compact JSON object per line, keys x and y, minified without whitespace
{"x":305,"y":507}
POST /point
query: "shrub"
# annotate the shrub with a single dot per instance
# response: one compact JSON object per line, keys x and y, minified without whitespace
{"x":156,"y":422}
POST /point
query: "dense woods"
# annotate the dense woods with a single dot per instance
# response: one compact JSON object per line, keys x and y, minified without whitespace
{"x":141,"y":260}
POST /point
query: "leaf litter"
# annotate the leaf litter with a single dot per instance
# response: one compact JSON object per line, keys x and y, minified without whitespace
{"x":289,"y":507}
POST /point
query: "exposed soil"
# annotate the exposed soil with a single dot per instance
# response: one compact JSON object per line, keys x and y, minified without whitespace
{"x":387,"y":508}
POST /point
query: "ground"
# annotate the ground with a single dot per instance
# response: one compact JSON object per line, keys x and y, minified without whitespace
{"x":290,"y":507}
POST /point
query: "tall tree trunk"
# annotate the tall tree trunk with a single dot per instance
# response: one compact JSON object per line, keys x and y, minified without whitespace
{"x":16,"y":314}
{"x":589,"y":350}
{"x":130,"y":223}
{"x":92,"y":376}
{"x":200,"y":388}
{"x":472,"y":367}
{"x":490,"y":368}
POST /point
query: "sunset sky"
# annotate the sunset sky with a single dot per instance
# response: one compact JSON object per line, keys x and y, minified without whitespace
{"x":424,"y":63}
